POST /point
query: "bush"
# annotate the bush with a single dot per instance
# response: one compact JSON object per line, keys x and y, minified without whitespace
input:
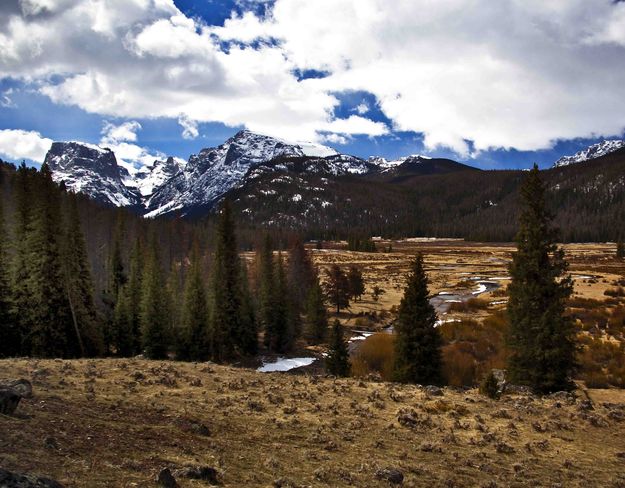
{"x":615,"y":292}
{"x":602,"y":363}
{"x":472,"y":349}
{"x":489,"y":386}
{"x":375,"y":355}
{"x":471,"y":305}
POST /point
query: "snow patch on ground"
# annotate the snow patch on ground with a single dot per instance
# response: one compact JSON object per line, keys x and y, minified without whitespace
{"x":285,"y":364}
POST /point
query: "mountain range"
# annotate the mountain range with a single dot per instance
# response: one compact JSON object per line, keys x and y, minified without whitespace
{"x":312,"y":187}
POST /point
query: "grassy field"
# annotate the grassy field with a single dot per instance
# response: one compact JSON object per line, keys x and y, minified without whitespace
{"x":117,"y":422}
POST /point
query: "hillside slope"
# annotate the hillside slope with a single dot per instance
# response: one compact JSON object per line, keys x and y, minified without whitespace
{"x":117,"y":423}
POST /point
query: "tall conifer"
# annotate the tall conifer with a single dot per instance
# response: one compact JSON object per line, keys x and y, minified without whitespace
{"x":9,"y":334}
{"x":337,"y":361}
{"x":417,"y":341}
{"x":154,"y":318}
{"x":316,"y":323}
{"x":193,"y":336}
{"x":541,"y":337}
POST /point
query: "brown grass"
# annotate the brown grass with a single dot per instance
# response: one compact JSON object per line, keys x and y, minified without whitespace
{"x":117,"y":423}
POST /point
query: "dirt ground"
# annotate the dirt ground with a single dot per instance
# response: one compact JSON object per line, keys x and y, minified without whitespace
{"x":117,"y":423}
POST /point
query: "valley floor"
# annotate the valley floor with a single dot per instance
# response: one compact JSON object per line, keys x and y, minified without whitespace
{"x":118,"y":422}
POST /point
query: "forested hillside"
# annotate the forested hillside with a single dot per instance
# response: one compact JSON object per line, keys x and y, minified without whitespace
{"x":587,"y":199}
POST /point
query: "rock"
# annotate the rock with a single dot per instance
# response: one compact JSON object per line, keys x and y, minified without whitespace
{"x":22,"y":387}
{"x":11,"y":392}
{"x":166,"y":480}
{"x":9,"y":400}
{"x":15,"y":480}
{"x":585,"y":406}
{"x":392,"y":475}
{"x":200,"y":429}
{"x":433,"y":390}
{"x":205,"y":473}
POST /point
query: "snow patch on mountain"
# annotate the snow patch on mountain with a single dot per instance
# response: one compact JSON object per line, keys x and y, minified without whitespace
{"x":386,"y":164}
{"x":591,"y":152}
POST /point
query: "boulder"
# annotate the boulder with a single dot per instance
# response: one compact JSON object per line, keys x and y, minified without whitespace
{"x":204,"y":473}
{"x":392,"y":475}
{"x":16,"y":480}
{"x":11,"y":392}
{"x":165,"y":479}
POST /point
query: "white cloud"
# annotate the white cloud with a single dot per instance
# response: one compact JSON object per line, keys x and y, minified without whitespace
{"x":189,"y":127}
{"x":355,"y":124}
{"x":120,"y":139}
{"x":18,"y":144}
{"x":362,"y":108}
{"x":127,"y":131}
{"x":512,"y":74}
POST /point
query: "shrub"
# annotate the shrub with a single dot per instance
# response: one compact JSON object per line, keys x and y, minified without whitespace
{"x":472,"y":304}
{"x":489,"y":386}
{"x":615,"y":292}
{"x":375,"y":355}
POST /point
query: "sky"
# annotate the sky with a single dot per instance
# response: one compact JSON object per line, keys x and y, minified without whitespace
{"x":494,"y":84}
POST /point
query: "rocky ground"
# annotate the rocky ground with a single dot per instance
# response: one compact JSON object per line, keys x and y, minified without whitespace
{"x":120,"y":423}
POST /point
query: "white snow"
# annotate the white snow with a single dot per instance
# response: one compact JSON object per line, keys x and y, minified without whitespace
{"x":591,"y":152}
{"x":285,"y":364}
{"x":296,"y":198}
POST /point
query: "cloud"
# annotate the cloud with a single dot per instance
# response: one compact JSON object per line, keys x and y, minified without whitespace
{"x":362,"y":108}
{"x":113,"y":134}
{"x":510,"y":74}
{"x":189,"y":127}
{"x":18,"y":144}
{"x":120,"y":139}
{"x":355,"y":124}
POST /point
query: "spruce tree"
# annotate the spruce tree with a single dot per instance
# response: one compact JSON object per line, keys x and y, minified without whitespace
{"x":316,"y":324}
{"x":79,"y":284}
{"x":52,"y":332}
{"x":227,"y":310}
{"x":20,"y":269}
{"x":154,"y":314}
{"x":337,"y":360}
{"x":193,"y":340}
{"x":301,"y":273}
{"x":9,"y":334}
{"x":133,"y":292}
{"x":356,"y":283}
{"x":417,"y":340}
{"x":248,"y":339}
{"x":541,"y":337}
{"x":267,"y":294}
{"x":123,"y":334}
{"x":337,"y":288}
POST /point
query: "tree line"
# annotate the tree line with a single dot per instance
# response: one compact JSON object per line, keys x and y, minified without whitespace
{"x":195,"y":303}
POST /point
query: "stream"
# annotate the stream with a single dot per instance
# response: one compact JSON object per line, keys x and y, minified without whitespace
{"x":440,"y":301}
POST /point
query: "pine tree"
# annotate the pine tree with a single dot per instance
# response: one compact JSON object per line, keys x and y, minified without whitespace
{"x":9,"y":334}
{"x":79,"y":285}
{"x":285,"y":328}
{"x":337,"y":361}
{"x":337,"y":288}
{"x":417,"y":341}
{"x":154,"y":314}
{"x":356,"y":283}
{"x":267,"y":294}
{"x":20,"y":269}
{"x":316,"y":314}
{"x":248,"y":339}
{"x":193,"y":340}
{"x":541,"y":337}
{"x":227,"y":319}
{"x":133,"y":292}
{"x":301,"y":273}
{"x":52,"y":331}
{"x":123,"y":336}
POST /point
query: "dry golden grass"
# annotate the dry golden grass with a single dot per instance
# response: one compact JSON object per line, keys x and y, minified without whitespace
{"x":116,"y":423}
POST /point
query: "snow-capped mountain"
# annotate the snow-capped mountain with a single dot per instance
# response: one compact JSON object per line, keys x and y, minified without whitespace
{"x":90,"y":169}
{"x":591,"y":152}
{"x":214,"y":171}
{"x":173,"y":185}
{"x":386,"y":164}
